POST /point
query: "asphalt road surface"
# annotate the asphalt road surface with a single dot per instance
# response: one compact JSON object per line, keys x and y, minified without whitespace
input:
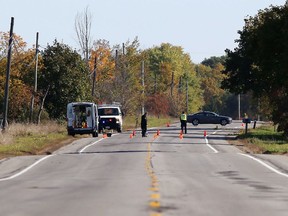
{"x":151,"y":176}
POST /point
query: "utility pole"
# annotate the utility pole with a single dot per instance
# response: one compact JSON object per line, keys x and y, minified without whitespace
{"x":239,"y":106}
{"x":187,"y":95}
{"x":116,"y":60}
{"x":180,"y":85}
{"x":36,"y":78}
{"x":143,"y":88}
{"x":6,"y":96}
{"x":172,"y":84}
{"x":155,"y":83}
{"x":94,"y":76}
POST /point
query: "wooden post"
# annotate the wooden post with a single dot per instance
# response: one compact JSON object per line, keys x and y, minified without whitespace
{"x":6,"y":96}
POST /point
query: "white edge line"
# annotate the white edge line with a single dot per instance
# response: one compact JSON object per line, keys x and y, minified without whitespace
{"x":39,"y":161}
{"x":85,"y":147}
{"x":207,"y":143}
{"x":26,"y":169}
{"x":264,"y":164}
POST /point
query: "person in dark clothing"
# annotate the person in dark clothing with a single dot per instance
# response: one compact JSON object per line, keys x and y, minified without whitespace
{"x":144,"y":124}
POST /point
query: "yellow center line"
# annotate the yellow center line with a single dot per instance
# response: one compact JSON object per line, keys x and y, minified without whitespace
{"x":154,"y":202}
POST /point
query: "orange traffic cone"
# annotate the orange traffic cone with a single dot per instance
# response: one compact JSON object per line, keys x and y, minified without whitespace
{"x":134,"y":133}
{"x":131,"y":136}
{"x":158,"y":132}
{"x":104,"y":135}
{"x":168,"y":124}
{"x":181,"y":136}
{"x":205,"y":133}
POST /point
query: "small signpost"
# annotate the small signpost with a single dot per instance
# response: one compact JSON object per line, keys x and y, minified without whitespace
{"x":246,"y":121}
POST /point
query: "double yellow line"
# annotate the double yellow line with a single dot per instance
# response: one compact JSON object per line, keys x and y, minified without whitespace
{"x":154,"y":202}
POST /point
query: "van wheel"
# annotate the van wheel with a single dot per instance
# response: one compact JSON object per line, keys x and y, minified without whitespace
{"x":95,"y":134}
{"x":71,"y":134}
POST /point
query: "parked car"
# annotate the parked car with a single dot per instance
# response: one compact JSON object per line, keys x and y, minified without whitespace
{"x":206,"y":117}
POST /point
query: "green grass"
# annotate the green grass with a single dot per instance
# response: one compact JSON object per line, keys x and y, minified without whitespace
{"x":267,"y":140}
{"x":31,"y":144}
{"x":30,"y":139}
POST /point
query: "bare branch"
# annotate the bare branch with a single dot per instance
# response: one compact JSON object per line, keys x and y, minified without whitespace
{"x":83,"y":23}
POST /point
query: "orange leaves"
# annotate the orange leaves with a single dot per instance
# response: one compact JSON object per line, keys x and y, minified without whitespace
{"x":21,"y":74}
{"x":105,"y":63}
{"x":158,"y":104}
{"x":19,"y":98}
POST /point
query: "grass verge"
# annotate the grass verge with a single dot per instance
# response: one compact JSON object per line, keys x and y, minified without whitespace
{"x":30,"y":139}
{"x":264,"y":140}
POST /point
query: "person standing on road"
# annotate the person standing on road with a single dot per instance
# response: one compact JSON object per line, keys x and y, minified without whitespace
{"x":144,"y":124}
{"x":183,"y":120}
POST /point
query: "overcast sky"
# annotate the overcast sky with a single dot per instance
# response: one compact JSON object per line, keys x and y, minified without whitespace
{"x":204,"y":28}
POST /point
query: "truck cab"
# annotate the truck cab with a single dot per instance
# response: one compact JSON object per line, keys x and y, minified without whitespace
{"x":110,"y":117}
{"x":82,"y":118}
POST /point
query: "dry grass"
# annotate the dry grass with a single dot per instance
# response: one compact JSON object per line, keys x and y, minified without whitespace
{"x":16,"y":130}
{"x":31,"y":139}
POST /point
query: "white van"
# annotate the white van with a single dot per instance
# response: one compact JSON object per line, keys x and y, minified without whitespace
{"x":82,"y":118}
{"x":110,"y":117}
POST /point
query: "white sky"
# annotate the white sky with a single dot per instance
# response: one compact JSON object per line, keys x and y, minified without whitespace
{"x":204,"y":28}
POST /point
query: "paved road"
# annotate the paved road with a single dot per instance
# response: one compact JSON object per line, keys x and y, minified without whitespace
{"x":151,"y":176}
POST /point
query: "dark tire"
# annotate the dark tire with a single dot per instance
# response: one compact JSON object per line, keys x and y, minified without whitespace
{"x":195,"y":122}
{"x":71,"y":133}
{"x":119,"y":130}
{"x":95,"y":134}
{"x":223,"y":122}
{"x":109,"y":134}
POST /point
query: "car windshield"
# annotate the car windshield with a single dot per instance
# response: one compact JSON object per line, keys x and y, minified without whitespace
{"x":108,"y":111}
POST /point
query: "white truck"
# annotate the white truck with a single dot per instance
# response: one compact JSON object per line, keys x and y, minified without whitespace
{"x":110,"y":118}
{"x":82,"y":118}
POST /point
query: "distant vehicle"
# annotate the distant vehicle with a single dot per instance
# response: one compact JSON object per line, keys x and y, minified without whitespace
{"x":110,"y":117}
{"x":207,"y":117}
{"x":82,"y":118}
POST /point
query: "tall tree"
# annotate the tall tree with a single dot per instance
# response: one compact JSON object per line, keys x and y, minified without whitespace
{"x":83,"y":23}
{"x":105,"y":69}
{"x":126,"y":84}
{"x":259,"y":63}
{"x":211,"y":82}
{"x":21,"y":81}
{"x":67,"y":76}
{"x":170,"y":70}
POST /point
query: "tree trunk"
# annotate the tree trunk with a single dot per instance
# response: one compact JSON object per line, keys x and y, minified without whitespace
{"x":42,"y":105}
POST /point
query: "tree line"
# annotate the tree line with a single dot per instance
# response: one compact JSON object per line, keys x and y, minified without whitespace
{"x":169,"y":74}
{"x":256,"y":69}
{"x":259,"y":65}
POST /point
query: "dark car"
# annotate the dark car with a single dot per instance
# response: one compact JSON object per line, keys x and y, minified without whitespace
{"x":206,"y":117}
